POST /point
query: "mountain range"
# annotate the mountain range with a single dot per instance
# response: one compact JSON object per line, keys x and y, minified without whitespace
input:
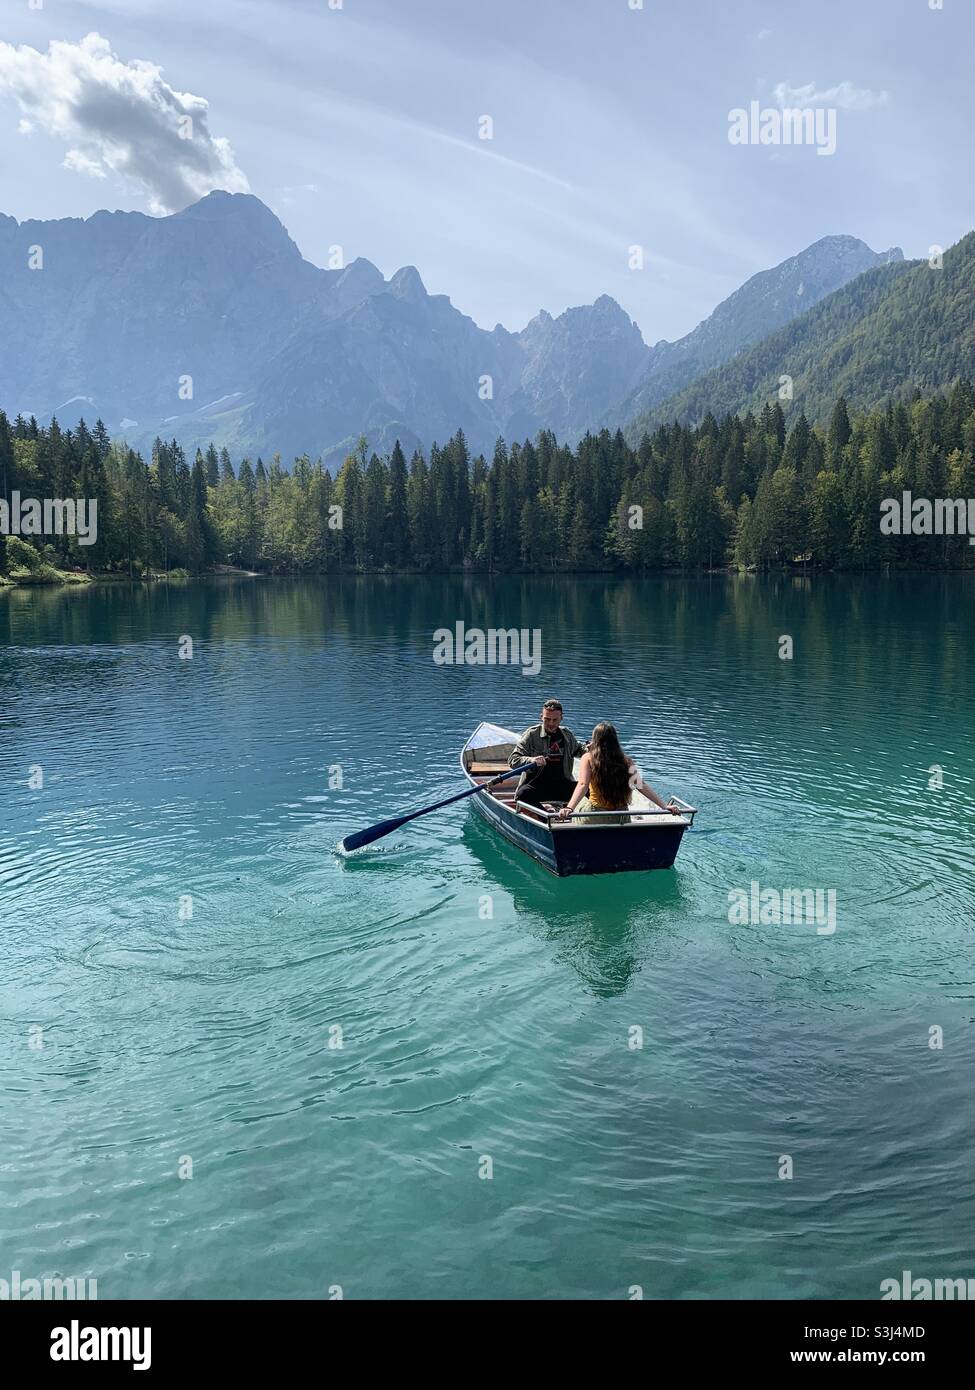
{"x":127,"y":314}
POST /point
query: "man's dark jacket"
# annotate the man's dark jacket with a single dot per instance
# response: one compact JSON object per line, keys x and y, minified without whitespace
{"x":535,"y":743}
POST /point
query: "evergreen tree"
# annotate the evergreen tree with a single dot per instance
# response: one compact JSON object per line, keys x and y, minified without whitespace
{"x":840,"y":434}
{"x":374,"y":512}
{"x":418,"y":512}
{"x":397,"y":524}
{"x":829,"y":526}
{"x":212,"y":467}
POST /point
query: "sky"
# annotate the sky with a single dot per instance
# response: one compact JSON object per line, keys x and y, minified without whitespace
{"x":360,"y":123}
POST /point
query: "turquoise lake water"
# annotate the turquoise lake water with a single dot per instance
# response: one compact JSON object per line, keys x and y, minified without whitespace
{"x":486,"y":1009}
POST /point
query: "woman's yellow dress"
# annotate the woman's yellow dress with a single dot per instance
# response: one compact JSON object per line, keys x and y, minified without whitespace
{"x":593,"y":802}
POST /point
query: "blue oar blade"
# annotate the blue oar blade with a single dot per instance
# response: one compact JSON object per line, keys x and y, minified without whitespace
{"x":375,"y":832}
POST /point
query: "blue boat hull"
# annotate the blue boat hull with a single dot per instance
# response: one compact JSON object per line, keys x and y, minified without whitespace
{"x":583,"y":849}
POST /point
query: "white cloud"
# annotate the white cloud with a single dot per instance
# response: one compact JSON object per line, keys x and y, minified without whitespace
{"x":763,"y":34}
{"x":844,"y":95}
{"x":79,"y":162}
{"x":121,"y":118}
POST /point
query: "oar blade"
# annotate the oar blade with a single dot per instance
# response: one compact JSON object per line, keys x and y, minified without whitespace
{"x":375,"y":832}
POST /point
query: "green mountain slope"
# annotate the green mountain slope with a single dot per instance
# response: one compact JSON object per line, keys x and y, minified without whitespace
{"x":896,"y":329}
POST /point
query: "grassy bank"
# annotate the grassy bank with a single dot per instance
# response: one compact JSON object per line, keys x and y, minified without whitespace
{"x":43,"y":574}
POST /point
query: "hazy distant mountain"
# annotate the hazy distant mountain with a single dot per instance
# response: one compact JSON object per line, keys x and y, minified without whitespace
{"x":282,"y":355}
{"x":765,"y":303}
{"x":897,"y":329}
{"x":285,"y":356}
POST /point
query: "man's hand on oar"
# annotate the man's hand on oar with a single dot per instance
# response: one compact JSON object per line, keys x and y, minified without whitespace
{"x":386,"y":827}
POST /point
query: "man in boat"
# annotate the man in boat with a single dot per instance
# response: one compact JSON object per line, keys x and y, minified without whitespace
{"x":552,"y":748}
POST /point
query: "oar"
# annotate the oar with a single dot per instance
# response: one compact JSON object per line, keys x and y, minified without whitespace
{"x":386,"y":827}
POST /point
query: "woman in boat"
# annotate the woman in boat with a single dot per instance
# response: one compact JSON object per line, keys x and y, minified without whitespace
{"x":606,"y":779}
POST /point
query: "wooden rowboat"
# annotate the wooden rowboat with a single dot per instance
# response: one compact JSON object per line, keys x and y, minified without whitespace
{"x":650,"y":840}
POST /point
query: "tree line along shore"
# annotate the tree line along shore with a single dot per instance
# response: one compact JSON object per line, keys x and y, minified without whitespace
{"x":746,"y":491}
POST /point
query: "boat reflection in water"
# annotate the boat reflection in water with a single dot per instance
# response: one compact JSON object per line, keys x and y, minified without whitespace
{"x":604,"y":931}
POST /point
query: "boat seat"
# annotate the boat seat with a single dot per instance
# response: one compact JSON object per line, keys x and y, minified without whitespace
{"x":492,"y":768}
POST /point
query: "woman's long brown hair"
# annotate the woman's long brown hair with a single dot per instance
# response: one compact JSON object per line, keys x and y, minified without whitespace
{"x":610,"y":773}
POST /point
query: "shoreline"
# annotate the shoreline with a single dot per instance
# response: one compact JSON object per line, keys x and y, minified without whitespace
{"x":50,"y":578}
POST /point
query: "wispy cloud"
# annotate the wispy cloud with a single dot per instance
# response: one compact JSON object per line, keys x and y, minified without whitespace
{"x":844,"y":96}
{"x":122,"y":118}
{"x":476,"y":147}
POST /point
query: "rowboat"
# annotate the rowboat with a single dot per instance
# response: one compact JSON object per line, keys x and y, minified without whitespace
{"x":650,"y":840}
